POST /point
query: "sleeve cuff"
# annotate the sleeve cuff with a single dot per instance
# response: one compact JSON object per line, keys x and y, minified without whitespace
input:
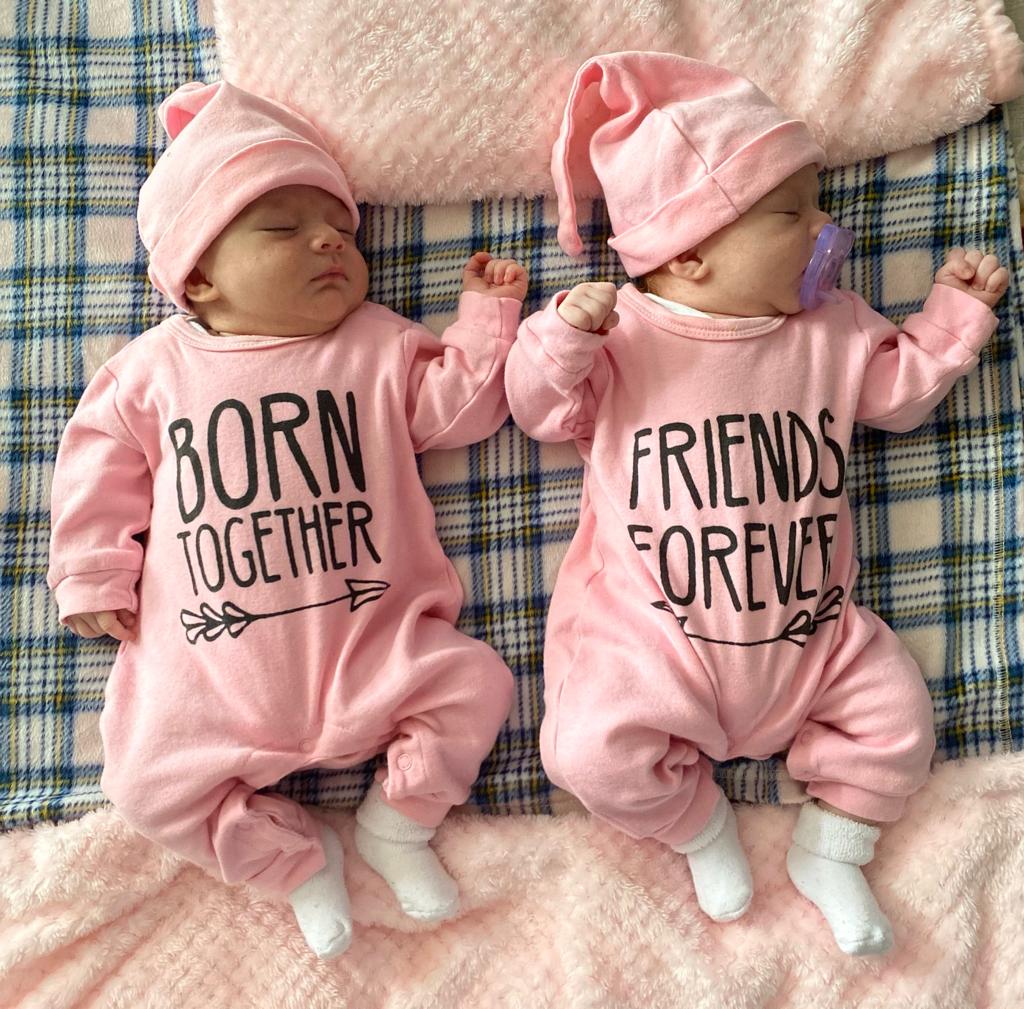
{"x":963,"y":317}
{"x":96,"y":591}
{"x":499,"y":316}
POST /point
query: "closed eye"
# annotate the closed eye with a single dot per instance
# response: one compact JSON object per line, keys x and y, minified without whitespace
{"x":278,"y":229}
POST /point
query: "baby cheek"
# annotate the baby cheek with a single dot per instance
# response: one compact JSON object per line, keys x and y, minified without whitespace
{"x":265,"y":277}
{"x":284,"y":264}
{"x":357,"y":270}
{"x":799,"y":252}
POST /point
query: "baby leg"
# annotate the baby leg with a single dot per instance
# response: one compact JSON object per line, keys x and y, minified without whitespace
{"x":239,"y":836}
{"x":447,"y":721}
{"x":866,"y":746}
{"x":622,"y":740}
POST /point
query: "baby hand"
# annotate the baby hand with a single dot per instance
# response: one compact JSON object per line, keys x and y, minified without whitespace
{"x":118,"y":624}
{"x":590,"y":307}
{"x":499,"y":278}
{"x":979,"y":276}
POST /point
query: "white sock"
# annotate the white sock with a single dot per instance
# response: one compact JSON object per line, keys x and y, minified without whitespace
{"x":824,"y":865}
{"x":720,"y":871}
{"x":396,"y":848}
{"x":321,"y":903}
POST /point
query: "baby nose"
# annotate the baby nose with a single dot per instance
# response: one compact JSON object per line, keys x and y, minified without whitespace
{"x":329,"y":238}
{"x":820,"y":223}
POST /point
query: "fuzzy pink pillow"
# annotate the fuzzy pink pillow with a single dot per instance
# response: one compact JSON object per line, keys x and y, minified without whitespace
{"x":440,"y":103}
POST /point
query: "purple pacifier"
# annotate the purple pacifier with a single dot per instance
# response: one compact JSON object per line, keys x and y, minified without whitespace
{"x":833,"y":246}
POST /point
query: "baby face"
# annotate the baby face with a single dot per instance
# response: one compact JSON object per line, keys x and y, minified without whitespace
{"x":287,"y":265}
{"x":754,"y":265}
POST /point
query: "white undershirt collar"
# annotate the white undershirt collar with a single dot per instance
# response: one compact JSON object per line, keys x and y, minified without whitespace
{"x":675,"y":306}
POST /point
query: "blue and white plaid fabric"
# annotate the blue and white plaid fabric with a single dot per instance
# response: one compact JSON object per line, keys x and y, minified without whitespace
{"x":938,"y":510}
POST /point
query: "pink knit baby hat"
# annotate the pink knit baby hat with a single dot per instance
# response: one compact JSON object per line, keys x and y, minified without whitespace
{"x":680,"y":148}
{"x":227,"y":148}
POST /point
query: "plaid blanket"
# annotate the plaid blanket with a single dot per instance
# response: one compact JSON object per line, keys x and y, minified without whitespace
{"x":938,"y":510}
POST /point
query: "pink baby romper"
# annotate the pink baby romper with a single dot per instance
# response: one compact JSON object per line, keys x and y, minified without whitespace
{"x":295,"y":608}
{"x":703,"y":608}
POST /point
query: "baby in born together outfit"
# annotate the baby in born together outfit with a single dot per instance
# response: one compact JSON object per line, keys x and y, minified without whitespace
{"x":292,"y":606}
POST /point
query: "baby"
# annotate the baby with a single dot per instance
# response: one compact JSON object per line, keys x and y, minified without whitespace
{"x":236,"y":499}
{"x":703,"y":608}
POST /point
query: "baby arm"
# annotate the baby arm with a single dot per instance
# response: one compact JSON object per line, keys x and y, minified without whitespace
{"x":909,"y":371}
{"x":101,"y":498}
{"x":549,"y":373}
{"x":455,"y":391}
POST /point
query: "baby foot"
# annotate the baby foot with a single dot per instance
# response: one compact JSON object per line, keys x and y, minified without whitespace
{"x":321,"y":903}
{"x":720,"y":871}
{"x":424,"y":890}
{"x":840,"y":891}
{"x":396,"y":848}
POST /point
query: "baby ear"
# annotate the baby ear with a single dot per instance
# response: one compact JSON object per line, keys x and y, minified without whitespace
{"x":688,"y":265}
{"x":198,"y":289}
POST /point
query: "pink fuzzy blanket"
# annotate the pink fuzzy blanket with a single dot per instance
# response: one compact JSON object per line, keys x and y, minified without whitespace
{"x":440,"y":103}
{"x":559,"y":912}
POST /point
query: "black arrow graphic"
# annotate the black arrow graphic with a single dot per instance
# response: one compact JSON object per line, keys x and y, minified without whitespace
{"x":209,"y":625}
{"x":799,"y":628}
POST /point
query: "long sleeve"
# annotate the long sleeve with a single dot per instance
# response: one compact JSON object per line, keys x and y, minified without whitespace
{"x":910,"y":370}
{"x":549,"y":375}
{"x":101,"y":499}
{"x":456,"y":391}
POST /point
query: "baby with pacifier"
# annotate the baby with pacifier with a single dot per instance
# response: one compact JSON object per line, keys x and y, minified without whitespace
{"x":703,"y":608}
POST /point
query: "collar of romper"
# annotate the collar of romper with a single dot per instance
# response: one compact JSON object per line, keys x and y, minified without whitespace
{"x":698,"y":327}
{"x":188,"y":329}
